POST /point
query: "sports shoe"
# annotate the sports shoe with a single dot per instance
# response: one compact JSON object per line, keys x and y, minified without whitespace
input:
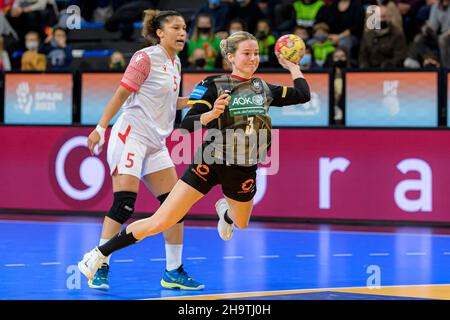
{"x":225,"y":229}
{"x":91,"y":262}
{"x":100,"y":280}
{"x":179,"y":279}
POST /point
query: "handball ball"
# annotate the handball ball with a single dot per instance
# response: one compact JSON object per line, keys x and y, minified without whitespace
{"x":291,"y":47}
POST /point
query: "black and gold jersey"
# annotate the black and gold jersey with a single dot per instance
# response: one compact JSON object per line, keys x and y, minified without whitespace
{"x":242,"y":134}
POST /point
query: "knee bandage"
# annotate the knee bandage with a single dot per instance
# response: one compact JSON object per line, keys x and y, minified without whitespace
{"x":123,"y":206}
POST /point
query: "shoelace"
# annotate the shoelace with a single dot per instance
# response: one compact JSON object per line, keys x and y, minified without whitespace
{"x":183,"y":273}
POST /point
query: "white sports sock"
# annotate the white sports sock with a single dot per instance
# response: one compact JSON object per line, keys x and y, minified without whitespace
{"x":102,"y":242}
{"x":173,"y":256}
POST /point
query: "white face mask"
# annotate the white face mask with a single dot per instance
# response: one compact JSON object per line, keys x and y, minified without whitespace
{"x":31,"y":45}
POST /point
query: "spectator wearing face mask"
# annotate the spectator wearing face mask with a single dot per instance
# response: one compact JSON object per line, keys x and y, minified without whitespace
{"x":198,"y":59}
{"x":307,"y":62}
{"x":384,"y":47}
{"x":220,"y":13}
{"x":59,"y":54}
{"x":266,"y":44}
{"x":322,"y":47}
{"x":32,"y":60}
{"x":203,"y":37}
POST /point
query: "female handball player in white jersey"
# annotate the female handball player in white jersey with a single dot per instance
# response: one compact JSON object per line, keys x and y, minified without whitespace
{"x":238,"y":102}
{"x":148,"y":95}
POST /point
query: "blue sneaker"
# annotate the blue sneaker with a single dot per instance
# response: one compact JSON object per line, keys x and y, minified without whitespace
{"x":179,"y":279}
{"x":100,"y":280}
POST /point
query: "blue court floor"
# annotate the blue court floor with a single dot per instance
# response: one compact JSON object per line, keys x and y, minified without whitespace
{"x":38,"y":261}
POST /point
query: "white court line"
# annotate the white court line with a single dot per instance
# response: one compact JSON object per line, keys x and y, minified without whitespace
{"x":416,"y":253}
{"x":158,"y":259}
{"x":196,"y":258}
{"x":233,"y":257}
{"x":379,"y":254}
{"x":15,"y":265}
{"x":305,"y":255}
{"x":270,"y":256}
{"x":124,"y":260}
{"x":343,"y":255}
{"x":50,"y":263}
{"x":447,"y":253}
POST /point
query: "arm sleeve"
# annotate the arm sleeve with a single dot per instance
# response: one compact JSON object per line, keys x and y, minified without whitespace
{"x":202,"y":100}
{"x":136,"y":72}
{"x":285,"y":96}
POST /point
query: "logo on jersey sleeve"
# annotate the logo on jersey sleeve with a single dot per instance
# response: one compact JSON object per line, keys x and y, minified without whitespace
{"x":198,"y":92}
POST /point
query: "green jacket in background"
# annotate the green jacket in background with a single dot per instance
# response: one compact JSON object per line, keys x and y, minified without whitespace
{"x":306,"y":13}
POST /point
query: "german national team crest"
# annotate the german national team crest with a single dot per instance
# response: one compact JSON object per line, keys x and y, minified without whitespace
{"x":257,"y":85}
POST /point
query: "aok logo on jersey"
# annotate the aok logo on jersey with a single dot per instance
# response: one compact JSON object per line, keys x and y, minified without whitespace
{"x":244,"y":105}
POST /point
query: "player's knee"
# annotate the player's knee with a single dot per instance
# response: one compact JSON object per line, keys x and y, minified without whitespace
{"x":162,"y":198}
{"x":123,"y":206}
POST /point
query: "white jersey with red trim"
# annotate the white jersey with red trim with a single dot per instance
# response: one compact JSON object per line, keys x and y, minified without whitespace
{"x":154,"y":78}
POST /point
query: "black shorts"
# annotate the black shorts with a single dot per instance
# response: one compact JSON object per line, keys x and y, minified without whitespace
{"x":238,"y":182}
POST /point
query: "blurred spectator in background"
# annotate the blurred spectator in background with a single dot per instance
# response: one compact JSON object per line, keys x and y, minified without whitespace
{"x":125,"y":16}
{"x":266,"y":44}
{"x":423,"y":14}
{"x":297,"y":13}
{"x":117,"y":62}
{"x":338,"y":61}
{"x":203,"y":37}
{"x":438,"y":26}
{"x":26,"y":15}
{"x":426,"y":43}
{"x":219,"y":11}
{"x":307,"y":62}
{"x":408,"y":10}
{"x":267,"y":9}
{"x":59,"y":54}
{"x":346,"y":21}
{"x":306,"y":11}
{"x":32,"y":60}
{"x":237,"y":24}
{"x":11,"y":39}
{"x":198,"y":59}
{"x":302,"y":32}
{"x":384,"y":47}
{"x":249,"y":11}
{"x":5,"y":63}
{"x":321,"y":46}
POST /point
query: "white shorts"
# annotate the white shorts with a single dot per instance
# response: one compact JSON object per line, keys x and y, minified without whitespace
{"x":127,"y":155}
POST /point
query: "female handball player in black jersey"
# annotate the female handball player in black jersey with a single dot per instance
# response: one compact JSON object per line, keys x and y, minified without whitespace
{"x":235,"y":105}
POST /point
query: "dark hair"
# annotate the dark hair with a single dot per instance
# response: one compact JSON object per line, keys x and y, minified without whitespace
{"x":195,"y":33}
{"x":154,"y":20}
